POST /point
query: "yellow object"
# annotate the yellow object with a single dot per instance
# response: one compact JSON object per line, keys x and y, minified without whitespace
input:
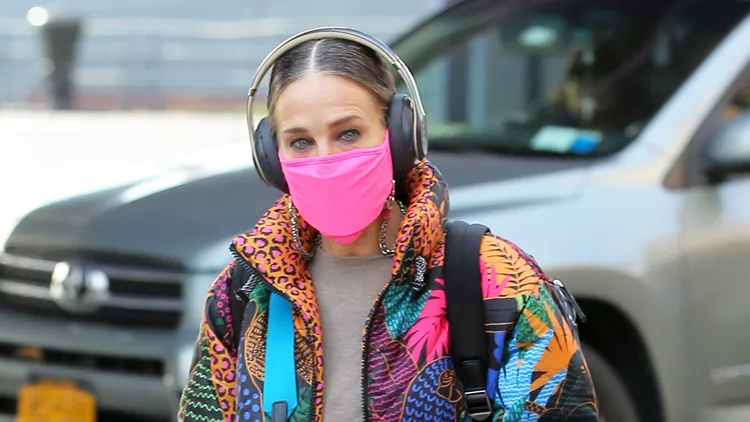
{"x":55,"y":401}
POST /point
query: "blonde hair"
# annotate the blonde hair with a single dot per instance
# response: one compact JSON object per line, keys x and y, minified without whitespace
{"x":333,"y":56}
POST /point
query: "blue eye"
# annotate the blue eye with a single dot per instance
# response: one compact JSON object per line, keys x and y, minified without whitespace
{"x":349,"y":135}
{"x":300,"y":143}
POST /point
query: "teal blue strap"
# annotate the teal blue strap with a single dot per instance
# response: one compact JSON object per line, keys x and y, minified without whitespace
{"x":280,"y":384}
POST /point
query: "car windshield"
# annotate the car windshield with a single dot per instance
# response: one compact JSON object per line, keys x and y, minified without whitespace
{"x":568,"y":79}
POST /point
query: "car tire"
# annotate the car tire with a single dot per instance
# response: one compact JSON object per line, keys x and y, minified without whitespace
{"x":615,"y":403}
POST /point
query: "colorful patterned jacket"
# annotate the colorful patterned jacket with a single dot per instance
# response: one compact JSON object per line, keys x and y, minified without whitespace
{"x":537,"y":372}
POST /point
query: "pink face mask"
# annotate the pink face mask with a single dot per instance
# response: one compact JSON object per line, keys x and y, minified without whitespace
{"x":341,"y":194}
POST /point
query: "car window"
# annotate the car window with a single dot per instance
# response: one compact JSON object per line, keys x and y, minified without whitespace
{"x":573,"y":79}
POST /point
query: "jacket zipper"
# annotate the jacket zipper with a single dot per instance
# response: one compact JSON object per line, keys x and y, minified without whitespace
{"x":297,"y":312}
{"x":365,"y":351}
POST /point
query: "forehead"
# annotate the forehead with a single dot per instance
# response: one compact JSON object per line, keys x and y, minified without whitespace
{"x":320,"y":98}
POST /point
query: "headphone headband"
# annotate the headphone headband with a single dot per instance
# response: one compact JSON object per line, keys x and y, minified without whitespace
{"x":338,"y":33}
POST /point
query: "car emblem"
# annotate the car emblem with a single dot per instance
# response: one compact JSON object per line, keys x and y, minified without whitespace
{"x":78,"y":289}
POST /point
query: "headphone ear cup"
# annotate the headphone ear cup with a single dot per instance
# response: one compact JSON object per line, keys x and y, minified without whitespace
{"x":267,"y":164}
{"x":401,"y":133}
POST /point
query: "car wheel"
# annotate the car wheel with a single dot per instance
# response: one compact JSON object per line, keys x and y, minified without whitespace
{"x":615,"y":403}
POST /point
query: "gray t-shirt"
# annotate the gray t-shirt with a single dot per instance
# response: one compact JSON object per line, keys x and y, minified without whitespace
{"x":346,"y":288}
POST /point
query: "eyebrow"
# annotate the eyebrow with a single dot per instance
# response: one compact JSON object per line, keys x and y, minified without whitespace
{"x":346,"y":119}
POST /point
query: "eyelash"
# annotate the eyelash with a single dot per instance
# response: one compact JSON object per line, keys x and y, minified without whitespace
{"x":353,"y":132}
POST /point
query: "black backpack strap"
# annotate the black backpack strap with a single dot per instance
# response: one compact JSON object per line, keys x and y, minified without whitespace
{"x":465,"y":309}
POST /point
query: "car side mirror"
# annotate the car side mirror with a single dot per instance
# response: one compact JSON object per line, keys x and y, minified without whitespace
{"x":728,"y":151}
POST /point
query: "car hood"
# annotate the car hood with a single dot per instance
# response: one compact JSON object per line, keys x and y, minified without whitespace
{"x":188,"y":215}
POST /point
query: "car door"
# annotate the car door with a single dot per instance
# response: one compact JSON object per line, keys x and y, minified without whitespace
{"x":716,"y":248}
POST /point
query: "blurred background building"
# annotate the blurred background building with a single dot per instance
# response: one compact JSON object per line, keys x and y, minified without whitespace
{"x":149,"y":54}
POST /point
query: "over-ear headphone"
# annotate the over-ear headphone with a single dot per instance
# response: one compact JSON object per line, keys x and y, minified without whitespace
{"x":406,"y":116}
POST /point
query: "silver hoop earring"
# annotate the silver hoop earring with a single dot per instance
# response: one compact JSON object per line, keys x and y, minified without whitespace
{"x":296,"y":236}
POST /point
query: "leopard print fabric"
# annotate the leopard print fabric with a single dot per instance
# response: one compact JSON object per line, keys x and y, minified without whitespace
{"x":269,"y":247}
{"x":410,"y":372}
{"x":210,"y":392}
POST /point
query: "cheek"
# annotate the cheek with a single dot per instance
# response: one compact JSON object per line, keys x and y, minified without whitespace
{"x":373,"y":138}
{"x":285,"y":151}
{"x":289,"y":153}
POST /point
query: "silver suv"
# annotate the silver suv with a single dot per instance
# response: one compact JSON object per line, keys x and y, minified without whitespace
{"x":609,"y":139}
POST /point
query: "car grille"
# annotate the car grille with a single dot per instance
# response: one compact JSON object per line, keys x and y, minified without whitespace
{"x":135,"y":295}
{"x":83,"y":360}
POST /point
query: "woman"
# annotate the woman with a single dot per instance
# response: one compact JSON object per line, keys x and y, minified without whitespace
{"x":360,"y":228}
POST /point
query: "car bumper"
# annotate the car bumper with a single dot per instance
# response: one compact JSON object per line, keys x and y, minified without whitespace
{"x":132,"y":372}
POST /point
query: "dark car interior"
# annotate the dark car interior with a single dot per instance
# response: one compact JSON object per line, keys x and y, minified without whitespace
{"x":605,"y":66}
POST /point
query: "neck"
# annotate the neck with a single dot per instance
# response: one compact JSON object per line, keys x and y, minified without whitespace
{"x":368,"y":243}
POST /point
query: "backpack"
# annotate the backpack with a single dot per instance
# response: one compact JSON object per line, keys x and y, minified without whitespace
{"x":465,"y":309}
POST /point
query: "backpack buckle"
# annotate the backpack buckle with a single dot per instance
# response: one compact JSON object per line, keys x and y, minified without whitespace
{"x":478,"y":404}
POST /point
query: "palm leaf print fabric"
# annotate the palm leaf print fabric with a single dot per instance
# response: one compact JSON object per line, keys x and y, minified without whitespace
{"x":537,"y":372}
{"x":537,"y":366}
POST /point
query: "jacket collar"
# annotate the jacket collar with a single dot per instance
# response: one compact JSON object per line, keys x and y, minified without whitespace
{"x":269,"y":246}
